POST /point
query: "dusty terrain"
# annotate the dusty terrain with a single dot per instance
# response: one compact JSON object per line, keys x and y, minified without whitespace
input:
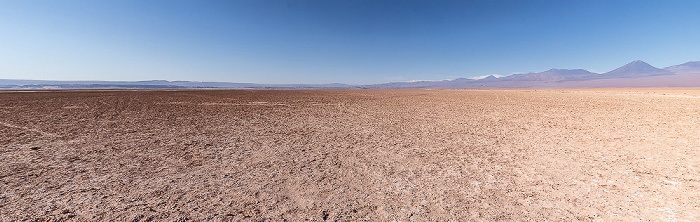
{"x":380,"y":155}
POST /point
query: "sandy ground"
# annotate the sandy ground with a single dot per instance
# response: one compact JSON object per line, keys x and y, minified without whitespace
{"x":379,"y":155}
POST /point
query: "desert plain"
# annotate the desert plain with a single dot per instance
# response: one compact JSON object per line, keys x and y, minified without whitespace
{"x":350,"y":155}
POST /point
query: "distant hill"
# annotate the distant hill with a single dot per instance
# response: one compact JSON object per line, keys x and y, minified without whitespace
{"x":635,"y":69}
{"x":552,"y":75}
{"x":155,"y":84}
{"x":633,"y":74}
{"x":685,"y":67}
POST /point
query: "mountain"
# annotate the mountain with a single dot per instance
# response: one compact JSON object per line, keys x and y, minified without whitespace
{"x":513,"y":81}
{"x":633,"y":74}
{"x":685,"y":67}
{"x":457,"y":83}
{"x":552,"y":75}
{"x":155,"y":84}
{"x":635,"y":69}
{"x":489,"y":78}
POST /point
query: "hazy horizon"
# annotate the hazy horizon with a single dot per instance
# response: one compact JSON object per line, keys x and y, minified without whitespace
{"x":349,"y":42}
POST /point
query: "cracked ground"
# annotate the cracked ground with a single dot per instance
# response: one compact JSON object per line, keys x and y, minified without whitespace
{"x":230,"y":155}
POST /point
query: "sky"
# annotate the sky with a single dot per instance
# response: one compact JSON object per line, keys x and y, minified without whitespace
{"x":334,"y":41}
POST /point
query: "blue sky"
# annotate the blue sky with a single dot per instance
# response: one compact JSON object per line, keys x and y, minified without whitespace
{"x":354,"y":42}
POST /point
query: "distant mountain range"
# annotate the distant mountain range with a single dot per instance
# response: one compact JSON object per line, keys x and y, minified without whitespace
{"x":155,"y":84}
{"x":633,"y":74}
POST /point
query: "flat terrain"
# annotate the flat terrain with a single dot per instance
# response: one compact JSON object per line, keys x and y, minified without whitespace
{"x":525,"y":154}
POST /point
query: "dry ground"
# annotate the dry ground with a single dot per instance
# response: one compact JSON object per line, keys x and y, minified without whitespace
{"x":570,"y":154}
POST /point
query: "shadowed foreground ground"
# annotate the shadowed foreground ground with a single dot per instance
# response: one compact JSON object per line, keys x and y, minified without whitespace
{"x":594,"y":154}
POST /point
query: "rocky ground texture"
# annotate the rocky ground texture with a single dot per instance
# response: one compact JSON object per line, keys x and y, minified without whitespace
{"x":368,"y":155}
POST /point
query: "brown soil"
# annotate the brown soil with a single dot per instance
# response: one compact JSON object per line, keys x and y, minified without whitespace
{"x":571,"y":154}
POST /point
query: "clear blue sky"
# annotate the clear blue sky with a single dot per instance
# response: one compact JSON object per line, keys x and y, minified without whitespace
{"x":345,"y":41}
